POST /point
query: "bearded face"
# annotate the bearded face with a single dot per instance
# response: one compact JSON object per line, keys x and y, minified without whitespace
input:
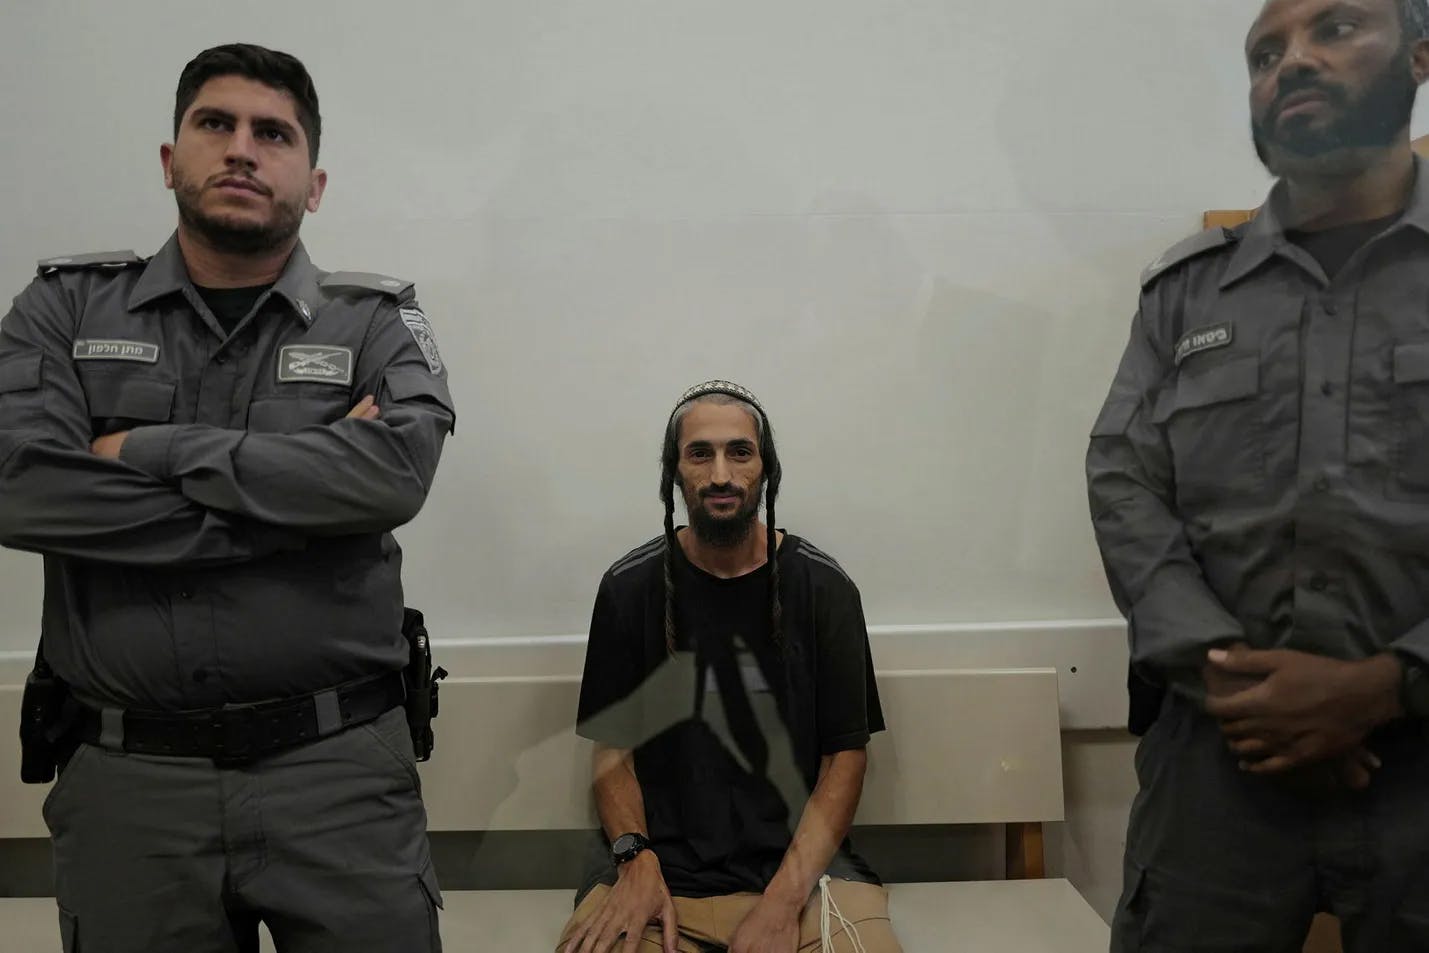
{"x":240,"y":167}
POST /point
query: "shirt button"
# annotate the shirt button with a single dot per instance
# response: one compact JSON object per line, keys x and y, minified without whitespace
{"x":1327,"y":388}
{"x":185,"y":594}
{"x":1329,"y":305}
{"x":221,"y":359}
{"x":200,"y":675}
{"x":1318,"y":582}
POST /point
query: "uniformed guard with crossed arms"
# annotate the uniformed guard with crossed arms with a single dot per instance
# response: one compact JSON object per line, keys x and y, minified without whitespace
{"x":1259,"y":482}
{"x":210,"y":448}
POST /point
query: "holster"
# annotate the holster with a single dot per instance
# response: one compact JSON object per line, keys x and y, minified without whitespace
{"x":423,"y":683}
{"x":1145,"y":698}
{"x":43,"y":715}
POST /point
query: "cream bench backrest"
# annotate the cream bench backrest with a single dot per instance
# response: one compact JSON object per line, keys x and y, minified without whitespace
{"x":963,"y":747}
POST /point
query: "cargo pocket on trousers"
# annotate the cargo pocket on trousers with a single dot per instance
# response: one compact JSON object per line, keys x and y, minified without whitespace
{"x":65,"y":777}
{"x":69,"y":931}
{"x":1410,"y":926}
{"x":1157,"y":747}
{"x":427,"y":879}
{"x":1127,"y":925}
{"x":1195,"y":910}
{"x":394,"y":741}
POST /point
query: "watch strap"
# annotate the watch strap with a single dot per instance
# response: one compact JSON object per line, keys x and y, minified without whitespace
{"x":628,"y":846}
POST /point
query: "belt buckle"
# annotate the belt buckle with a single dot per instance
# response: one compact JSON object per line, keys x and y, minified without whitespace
{"x":232,"y":732}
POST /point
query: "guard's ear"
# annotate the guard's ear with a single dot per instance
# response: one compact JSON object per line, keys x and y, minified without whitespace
{"x":317,"y":184}
{"x":1419,"y":61}
{"x":166,"y":159}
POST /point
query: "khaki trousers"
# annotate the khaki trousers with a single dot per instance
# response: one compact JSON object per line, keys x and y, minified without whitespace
{"x":707,"y":924}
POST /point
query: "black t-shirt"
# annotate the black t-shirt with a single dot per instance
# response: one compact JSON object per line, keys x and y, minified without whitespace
{"x":728,"y":733}
{"x":1332,"y":247}
{"x":231,"y":305}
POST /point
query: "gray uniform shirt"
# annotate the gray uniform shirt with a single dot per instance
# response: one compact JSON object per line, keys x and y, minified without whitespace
{"x":240,"y":549}
{"x":1260,"y":469}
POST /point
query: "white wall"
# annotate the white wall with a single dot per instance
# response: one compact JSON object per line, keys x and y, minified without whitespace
{"x":913,"y":227}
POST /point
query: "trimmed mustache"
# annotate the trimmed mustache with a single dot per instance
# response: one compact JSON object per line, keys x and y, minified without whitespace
{"x":1290,"y":87}
{"x":248,"y":180}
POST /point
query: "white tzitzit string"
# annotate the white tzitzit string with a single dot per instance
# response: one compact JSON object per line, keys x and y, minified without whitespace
{"x":828,"y":911}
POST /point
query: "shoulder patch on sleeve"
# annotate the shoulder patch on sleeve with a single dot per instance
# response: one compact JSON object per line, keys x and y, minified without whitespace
{"x":396,"y":288}
{"x":1183,"y":251}
{"x":421,"y":330}
{"x":102,"y":259}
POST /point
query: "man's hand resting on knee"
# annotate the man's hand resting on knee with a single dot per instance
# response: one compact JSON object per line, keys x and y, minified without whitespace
{"x":771,"y":927}
{"x":638,"y":899}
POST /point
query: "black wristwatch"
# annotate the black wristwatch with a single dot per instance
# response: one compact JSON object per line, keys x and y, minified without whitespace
{"x":1414,"y":687}
{"x":627,"y":847}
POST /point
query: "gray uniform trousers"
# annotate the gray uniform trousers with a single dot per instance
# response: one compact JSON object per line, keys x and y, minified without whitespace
{"x":1225,"y":862}
{"x":325,"y":843}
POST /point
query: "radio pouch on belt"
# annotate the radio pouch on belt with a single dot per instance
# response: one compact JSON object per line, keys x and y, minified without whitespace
{"x":422,"y":684}
{"x":42,"y":717}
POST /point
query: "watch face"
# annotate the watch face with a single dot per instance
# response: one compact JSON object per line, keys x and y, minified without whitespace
{"x":623,"y":844}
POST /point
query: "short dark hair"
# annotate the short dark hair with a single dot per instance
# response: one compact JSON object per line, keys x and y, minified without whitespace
{"x":1414,"y":16}
{"x":281,"y":71}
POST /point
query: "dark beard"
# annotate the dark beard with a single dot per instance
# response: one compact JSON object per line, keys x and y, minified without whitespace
{"x":1375,"y":120}
{"x":235,"y":237}
{"x":723,"y":532}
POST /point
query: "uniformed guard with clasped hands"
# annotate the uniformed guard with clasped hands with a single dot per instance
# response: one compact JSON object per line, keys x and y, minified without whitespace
{"x":210,"y":448}
{"x":1259,"y":481}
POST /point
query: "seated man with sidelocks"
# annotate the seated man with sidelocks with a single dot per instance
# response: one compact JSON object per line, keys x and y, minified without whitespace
{"x":729,"y":689}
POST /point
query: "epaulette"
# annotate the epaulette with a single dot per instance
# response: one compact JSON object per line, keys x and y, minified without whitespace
{"x":102,"y":259}
{"x":394,"y":288}
{"x":1195,"y":246}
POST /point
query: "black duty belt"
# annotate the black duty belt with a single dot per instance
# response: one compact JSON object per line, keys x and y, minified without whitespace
{"x":235,"y":734}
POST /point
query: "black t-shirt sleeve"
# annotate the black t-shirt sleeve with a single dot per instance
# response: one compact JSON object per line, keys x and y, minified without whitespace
{"x":609,"y":705}
{"x":848,"y":707}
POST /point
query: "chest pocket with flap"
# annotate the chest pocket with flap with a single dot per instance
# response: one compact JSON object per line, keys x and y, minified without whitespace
{"x":122,"y":401}
{"x":1214,"y":424}
{"x":22,"y":401}
{"x":292,"y":406}
{"x":1410,"y":415}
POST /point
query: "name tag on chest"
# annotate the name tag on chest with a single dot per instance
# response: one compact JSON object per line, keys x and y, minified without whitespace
{"x":93,"y":349}
{"x":1204,"y":339}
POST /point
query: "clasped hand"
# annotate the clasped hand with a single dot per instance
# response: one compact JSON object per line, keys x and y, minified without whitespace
{"x":1281,"y":710}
